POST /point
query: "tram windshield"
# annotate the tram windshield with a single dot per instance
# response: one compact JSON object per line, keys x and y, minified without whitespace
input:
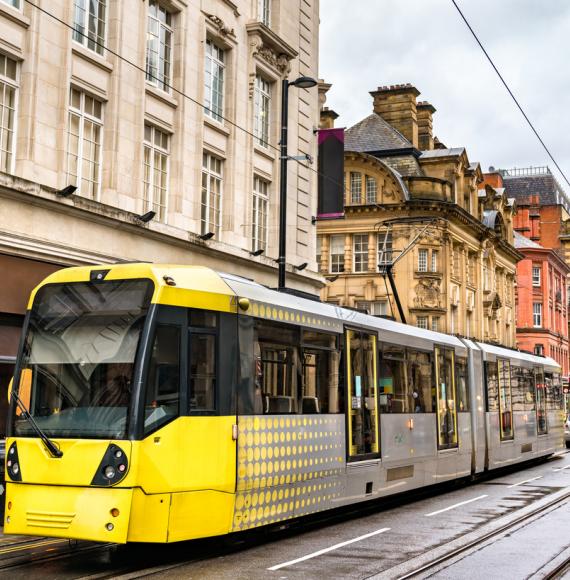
{"x":79,"y":357}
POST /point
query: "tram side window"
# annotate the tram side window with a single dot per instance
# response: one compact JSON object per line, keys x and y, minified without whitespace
{"x":491,"y":372}
{"x":162,"y":400}
{"x":395,"y":394}
{"x":554,"y":400}
{"x":446,"y":398}
{"x":522,"y":387}
{"x":202,"y":371}
{"x":505,"y":399}
{"x":462,"y":384}
{"x":421,"y":381}
{"x":276,"y":367}
{"x":541,"y":419}
{"x":320,"y":391}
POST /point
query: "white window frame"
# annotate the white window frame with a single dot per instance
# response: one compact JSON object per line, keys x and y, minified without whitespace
{"x":151,"y":188}
{"x":537,"y":314}
{"x":422,"y":260}
{"x":371,"y":189}
{"x":355,"y":187}
{"x":264,"y":12}
{"x":162,"y":76}
{"x":379,"y":308}
{"x":385,"y":256}
{"x":260,"y":212}
{"x":17,"y":4}
{"x":360,"y":250}
{"x":435,"y":323}
{"x":434,"y":259}
{"x":214,"y":80}
{"x":206,"y":198}
{"x":262,"y":110}
{"x":7,"y":84}
{"x":336,"y":263}
{"x":422,"y":322}
{"x":83,"y":32}
{"x":83,"y":119}
{"x":536,"y":275}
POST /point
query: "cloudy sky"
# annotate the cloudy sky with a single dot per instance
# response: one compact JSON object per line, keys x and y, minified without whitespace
{"x":370,"y":43}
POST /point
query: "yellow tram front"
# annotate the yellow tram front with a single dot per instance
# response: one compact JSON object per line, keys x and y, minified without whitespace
{"x":119,"y":427}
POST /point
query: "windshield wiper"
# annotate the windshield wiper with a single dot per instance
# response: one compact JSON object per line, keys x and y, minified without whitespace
{"x":50,"y":445}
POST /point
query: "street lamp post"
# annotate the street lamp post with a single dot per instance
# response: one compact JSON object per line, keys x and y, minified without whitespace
{"x":302,"y":83}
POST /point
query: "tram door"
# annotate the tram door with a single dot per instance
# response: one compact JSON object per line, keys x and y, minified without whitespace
{"x":540,"y":383}
{"x":362,"y":397}
{"x":446,"y":398}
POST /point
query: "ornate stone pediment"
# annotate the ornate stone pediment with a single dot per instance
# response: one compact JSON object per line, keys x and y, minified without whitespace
{"x":428,"y":293}
{"x":221,"y":26}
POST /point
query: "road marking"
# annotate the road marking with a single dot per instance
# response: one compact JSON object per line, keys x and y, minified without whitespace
{"x":27,"y":546}
{"x":451,"y":507}
{"x":525,"y":481}
{"x":561,"y":468}
{"x":325,"y":550}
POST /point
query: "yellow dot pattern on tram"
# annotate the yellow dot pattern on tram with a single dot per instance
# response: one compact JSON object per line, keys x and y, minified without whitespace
{"x":288,"y":465}
{"x":281,"y":314}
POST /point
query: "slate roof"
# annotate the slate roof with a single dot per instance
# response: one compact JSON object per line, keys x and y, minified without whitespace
{"x":545,"y":186}
{"x":374,"y":134}
{"x":455,"y":151}
{"x":521,"y":242}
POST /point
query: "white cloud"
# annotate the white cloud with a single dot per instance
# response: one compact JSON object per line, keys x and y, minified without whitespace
{"x":367,"y":43}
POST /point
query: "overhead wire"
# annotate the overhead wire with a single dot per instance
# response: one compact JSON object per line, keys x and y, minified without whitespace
{"x":510,"y":92}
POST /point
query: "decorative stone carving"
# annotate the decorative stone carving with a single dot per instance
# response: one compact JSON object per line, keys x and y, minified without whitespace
{"x":220,"y":25}
{"x":428,"y":293}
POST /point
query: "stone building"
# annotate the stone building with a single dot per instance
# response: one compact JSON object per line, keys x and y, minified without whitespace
{"x":164,"y":106}
{"x":408,"y":195}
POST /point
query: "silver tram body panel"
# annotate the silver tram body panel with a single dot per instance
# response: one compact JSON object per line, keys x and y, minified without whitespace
{"x":409,"y":454}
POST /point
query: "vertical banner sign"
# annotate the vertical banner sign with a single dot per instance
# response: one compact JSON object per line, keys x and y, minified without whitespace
{"x":331,"y":174}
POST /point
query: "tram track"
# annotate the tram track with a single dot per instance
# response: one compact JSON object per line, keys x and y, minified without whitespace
{"x":441,"y":561}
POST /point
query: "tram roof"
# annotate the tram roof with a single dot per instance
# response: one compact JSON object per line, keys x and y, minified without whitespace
{"x":492,"y":352}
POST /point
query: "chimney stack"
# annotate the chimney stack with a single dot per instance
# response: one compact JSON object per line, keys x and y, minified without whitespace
{"x":425,"y":125}
{"x":397,"y":105}
{"x":328,"y":117}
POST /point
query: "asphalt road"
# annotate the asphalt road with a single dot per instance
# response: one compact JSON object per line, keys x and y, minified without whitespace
{"x":383,"y":543}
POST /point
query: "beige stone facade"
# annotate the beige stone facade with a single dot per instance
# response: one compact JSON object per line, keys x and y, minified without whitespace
{"x":136,"y":139}
{"x":428,"y":211}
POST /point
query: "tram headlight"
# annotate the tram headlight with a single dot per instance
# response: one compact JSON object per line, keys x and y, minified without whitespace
{"x":15,"y":468}
{"x":13,"y":464}
{"x":110,"y":472}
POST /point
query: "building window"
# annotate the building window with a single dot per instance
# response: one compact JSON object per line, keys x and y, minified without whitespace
{"x":159,"y":46}
{"x":264,"y":11}
{"x":434,"y":257}
{"x":371,"y":189}
{"x":211,"y":194}
{"x":536,"y":275}
{"x":337,"y":254}
{"x":435,"y":323}
{"x":156,"y":149}
{"x":355,"y":187}
{"x":361,"y":253}
{"x":456,"y":262}
{"x":262,"y":110}
{"x":539,"y":350}
{"x":89,"y":24}
{"x":214,"y":81}
{"x":471,"y":263}
{"x":8,"y":93}
{"x":537,"y":314}
{"x":84,"y":143}
{"x":422,"y":260}
{"x":384,"y":248}
{"x":259,"y":217}
{"x":14,"y":3}
{"x":422,"y":322}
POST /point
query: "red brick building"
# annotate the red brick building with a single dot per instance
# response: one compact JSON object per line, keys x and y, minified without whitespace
{"x":542,"y":277}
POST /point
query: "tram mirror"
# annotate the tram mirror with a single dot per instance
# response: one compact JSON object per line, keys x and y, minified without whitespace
{"x":25,"y":390}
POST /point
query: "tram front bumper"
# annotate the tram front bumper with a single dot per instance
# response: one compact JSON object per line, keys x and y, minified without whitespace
{"x":82,"y":513}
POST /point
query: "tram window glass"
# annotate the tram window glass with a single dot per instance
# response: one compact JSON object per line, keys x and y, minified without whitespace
{"x":491,"y":373}
{"x":526,"y":383}
{"x":394,"y":393}
{"x":517,"y":388}
{"x":446,"y":398}
{"x":542,"y":426}
{"x":202,"y":371}
{"x":162,"y":400}
{"x":554,"y":400}
{"x":505,"y":399}
{"x":320,"y":373}
{"x":362,"y":391}
{"x":203,"y":318}
{"x":462,"y":384}
{"x":421,"y":381}
{"x":277,"y":365}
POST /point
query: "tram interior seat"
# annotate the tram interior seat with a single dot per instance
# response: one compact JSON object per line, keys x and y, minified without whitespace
{"x":281,"y":405}
{"x":311,"y":405}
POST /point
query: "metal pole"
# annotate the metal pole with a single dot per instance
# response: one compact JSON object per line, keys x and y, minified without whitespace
{"x":283,"y":184}
{"x":395,"y":293}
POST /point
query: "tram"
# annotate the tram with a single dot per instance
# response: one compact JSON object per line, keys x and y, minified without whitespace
{"x":163,"y":403}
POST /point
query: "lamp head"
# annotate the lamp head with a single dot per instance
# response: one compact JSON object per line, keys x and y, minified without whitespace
{"x":301,"y":266}
{"x":257,"y":252}
{"x":207,"y":236}
{"x":67,"y":191}
{"x":146,"y":217}
{"x":304,"y":83}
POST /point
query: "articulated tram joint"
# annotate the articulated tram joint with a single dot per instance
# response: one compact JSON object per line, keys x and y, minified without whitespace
{"x":113,"y":467}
